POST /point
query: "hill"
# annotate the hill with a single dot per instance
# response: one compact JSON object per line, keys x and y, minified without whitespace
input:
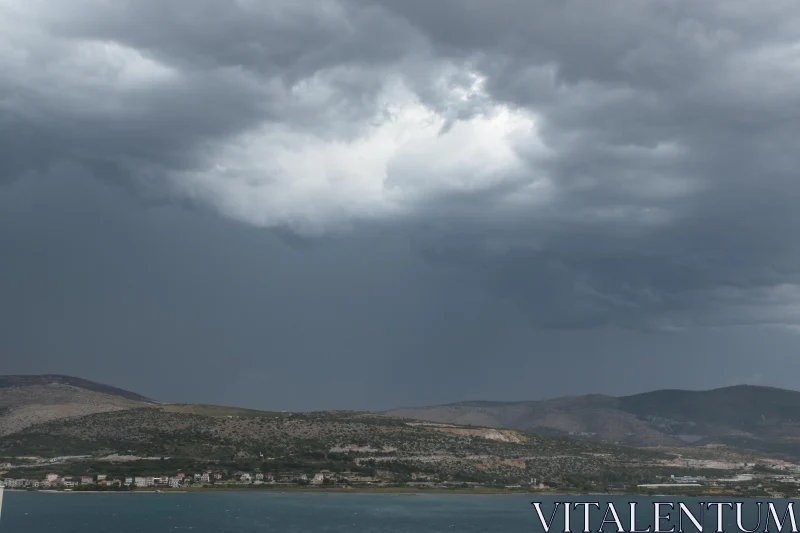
{"x":23,"y":380}
{"x":75,"y":427}
{"x":376,"y":446}
{"x":764,"y":419}
{"x":31,"y":400}
{"x":101,"y":428}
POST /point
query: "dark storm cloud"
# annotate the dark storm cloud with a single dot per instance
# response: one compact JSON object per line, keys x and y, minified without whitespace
{"x":670,"y":128}
{"x":629,"y":164}
{"x":149,"y":86}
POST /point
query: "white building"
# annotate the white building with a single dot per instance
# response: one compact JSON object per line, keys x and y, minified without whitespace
{"x":736,"y":479}
{"x":51,"y":477}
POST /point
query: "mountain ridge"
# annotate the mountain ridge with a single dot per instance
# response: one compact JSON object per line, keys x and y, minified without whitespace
{"x":28,"y":400}
{"x":49,"y":420}
{"x":489,"y":403}
{"x":22,"y":380}
{"x":756,"y":417}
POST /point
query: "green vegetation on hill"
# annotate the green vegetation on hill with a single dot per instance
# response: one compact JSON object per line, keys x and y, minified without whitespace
{"x":215,"y":410}
{"x":569,"y":443}
{"x":373,"y":445}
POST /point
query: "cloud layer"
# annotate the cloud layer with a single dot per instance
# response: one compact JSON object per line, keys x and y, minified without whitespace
{"x":632,"y":164}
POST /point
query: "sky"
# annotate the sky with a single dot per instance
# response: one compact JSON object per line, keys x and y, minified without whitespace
{"x":365,"y":204}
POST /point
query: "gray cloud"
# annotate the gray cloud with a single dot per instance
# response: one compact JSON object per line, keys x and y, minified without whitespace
{"x":629,"y":165}
{"x":669,"y":133}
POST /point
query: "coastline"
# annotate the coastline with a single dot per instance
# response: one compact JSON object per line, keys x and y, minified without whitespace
{"x":391,"y":491}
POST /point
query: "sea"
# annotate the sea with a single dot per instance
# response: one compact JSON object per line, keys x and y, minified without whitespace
{"x":221,"y":512}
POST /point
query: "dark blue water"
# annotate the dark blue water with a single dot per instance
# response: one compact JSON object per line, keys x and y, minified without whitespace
{"x":216,"y":512}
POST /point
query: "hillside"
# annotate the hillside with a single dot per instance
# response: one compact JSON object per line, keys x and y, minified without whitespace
{"x":50,"y":417}
{"x":384,"y":447}
{"x":77,"y":427}
{"x":31,"y":400}
{"x":765,"y":419}
{"x":9,"y":381}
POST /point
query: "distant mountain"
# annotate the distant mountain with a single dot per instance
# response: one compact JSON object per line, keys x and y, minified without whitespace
{"x":764,"y":419}
{"x":28,"y":400}
{"x":48,"y":379}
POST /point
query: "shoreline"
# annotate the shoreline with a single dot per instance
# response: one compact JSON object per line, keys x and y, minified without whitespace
{"x":390,"y":491}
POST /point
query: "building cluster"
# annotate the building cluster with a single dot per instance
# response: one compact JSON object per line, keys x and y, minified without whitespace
{"x":54,"y":481}
{"x":712,"y":464}
{"x":176,"y":481}
{"x":777,"y":485}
